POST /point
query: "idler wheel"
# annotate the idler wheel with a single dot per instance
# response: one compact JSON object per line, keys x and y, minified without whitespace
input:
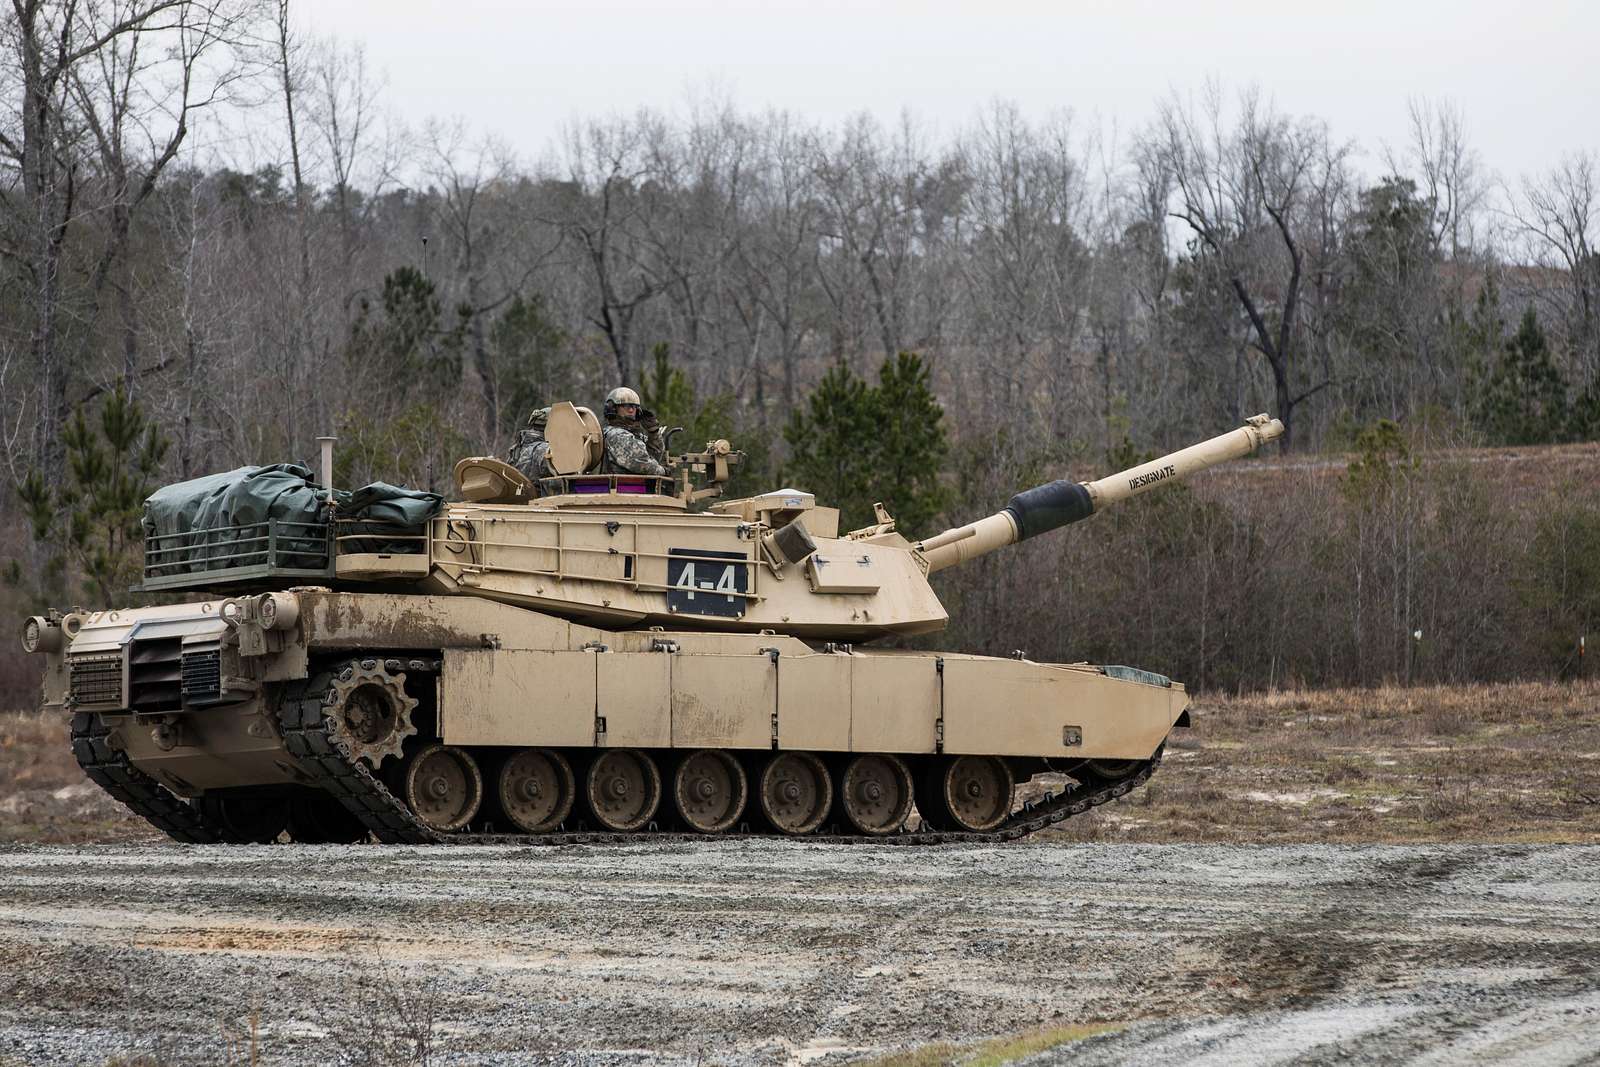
{"x":536,"y":789}
{"x":1109,"y":770}
{"x":709,"y":790}
{"x":622,"y":789}
{"x":876,"y":794}
{"x":796,"y":792}
{"x":971,"y":793}
{"x":444,"y":787}
{"x":247,"y":819}
{"x":316,"y":818}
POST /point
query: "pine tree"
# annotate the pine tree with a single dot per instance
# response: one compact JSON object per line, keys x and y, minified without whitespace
{"x":112,"y":466}
{"x":1523,"y":399}
{"x":911,"y":444}
{"x":408,"y":344}
{"x":402,"y":430}
{"x":831,"y":447}
{"x":853,"y":444}
{"x":530,"y":353}
{"x":667,"y":392}
{"x":1583,"y":422}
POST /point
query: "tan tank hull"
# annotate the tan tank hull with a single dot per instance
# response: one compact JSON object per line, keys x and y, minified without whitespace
{"x":496,"y":680}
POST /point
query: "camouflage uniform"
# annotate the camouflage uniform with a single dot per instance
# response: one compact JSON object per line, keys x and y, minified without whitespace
{"x":529,"y":450}
{"x":628,"y":451}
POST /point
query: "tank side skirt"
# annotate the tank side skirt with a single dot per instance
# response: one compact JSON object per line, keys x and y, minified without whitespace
{"x":323,"y":756}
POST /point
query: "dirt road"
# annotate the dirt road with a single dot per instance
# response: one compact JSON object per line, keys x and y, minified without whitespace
{"x":772,"y":952}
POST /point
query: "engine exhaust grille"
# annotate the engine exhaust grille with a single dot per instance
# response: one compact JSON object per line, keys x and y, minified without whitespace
{"x":155,"y":675}
{"x":202,"y":675}
{"x":95,"y":679}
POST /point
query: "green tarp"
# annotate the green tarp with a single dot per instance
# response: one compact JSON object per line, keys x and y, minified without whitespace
{"x":393,"y":515}
{"x":220,"y":520}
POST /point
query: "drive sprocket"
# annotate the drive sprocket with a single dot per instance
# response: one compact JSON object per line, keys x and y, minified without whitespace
{"x":368,"y":709}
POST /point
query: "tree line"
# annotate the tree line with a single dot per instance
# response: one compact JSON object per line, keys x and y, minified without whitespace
{"x":210,"y":215}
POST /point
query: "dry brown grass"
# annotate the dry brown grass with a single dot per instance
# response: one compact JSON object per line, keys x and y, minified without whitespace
{"x":1515,"y":762}
{"x":1518,"y":474}
{"x":1460,"y":763}
{"x":44,"y":797}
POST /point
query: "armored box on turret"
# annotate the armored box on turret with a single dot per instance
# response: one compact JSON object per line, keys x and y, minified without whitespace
{"x":591,"y":657}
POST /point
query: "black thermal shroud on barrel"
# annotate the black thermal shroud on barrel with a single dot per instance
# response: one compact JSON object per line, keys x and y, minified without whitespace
{"x":1048,"y":507}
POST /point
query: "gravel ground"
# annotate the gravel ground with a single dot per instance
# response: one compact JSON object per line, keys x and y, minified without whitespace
{"x":760,"y":952}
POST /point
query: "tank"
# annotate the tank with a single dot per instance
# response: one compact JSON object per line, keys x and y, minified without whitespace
{"x":595,"y":657}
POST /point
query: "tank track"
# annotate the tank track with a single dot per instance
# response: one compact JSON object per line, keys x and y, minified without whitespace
{"x":110,"y":769}
{"x":324,"y":757}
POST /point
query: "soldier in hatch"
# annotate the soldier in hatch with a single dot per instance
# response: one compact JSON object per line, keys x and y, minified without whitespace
{"x":633,"y":438}
{"x":529,"y":450}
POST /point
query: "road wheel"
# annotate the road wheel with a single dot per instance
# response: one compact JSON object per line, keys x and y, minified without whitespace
{"x":246,"y":819}
{"x":622,"y":789}
{"x":315,"y":818}
{"x":876,"y":794}
{"x":796,"y":792}
{"x":709,"y":789}
{"x":536,"y":789}
{"x":970,"y":793}
{"x":444,"y":787}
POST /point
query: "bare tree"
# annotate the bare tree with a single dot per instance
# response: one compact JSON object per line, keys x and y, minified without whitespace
{"x":1025,"y":258}
{"x":600,"y":208}
{"x":290,"y":77}
{"x":44,"y":44}
{"x":464,"y":185}
{"x":870,"y":191}
{"x":777,"y":253}
{"x":1448,"y":171}
{"x":138,"y":95}
{"x":360,"y":145}
{"x":1243,"y":193}
{"x":1558,"y":215}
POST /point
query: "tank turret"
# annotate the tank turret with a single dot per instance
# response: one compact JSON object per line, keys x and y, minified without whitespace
{"x":627,"y":550}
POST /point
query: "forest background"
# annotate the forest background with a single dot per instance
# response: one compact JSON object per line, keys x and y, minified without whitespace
{"x":871,"y":312}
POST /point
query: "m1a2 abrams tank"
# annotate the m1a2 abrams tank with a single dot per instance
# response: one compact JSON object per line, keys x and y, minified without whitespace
{"x":588,"y":659}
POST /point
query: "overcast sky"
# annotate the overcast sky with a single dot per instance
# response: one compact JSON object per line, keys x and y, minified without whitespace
{"x":1526,"y":75}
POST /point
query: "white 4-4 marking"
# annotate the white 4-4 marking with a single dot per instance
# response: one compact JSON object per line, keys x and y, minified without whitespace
{"x":725,"y":583}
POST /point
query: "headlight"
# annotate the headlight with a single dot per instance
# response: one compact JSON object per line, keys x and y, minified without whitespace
{"x":39,"y":634}
{"x":277,"y":611}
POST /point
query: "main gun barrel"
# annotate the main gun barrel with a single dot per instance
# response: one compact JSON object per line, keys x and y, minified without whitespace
{"x":1056,"y":504}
